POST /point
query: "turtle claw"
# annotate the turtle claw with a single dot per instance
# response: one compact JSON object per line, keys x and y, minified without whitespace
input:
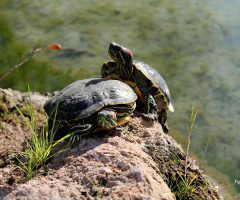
{"x":149,"y":116}
{"x":74,"y":138}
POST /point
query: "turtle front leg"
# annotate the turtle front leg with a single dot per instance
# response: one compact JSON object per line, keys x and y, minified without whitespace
{"x":78,"y":131}
{"x":162,"y":119}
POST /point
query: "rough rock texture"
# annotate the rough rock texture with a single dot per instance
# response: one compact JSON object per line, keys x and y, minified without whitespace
{"x":124,"y":170}
{"x":134,"y":161}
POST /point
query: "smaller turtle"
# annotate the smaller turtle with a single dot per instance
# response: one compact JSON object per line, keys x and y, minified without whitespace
{"x":90,"y":105}
{"x":148,"y":84}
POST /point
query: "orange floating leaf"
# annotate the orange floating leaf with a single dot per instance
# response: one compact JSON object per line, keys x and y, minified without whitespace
{"x":55,"y":47}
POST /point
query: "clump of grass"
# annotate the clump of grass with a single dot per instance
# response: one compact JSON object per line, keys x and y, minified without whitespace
{"x":185,"y":186}
{"x":37,"y":151}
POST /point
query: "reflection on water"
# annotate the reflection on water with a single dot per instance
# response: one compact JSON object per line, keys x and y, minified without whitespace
{"x":194,"y":45}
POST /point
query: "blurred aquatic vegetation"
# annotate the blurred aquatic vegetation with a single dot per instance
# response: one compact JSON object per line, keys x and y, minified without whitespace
{"x":34,"y":71}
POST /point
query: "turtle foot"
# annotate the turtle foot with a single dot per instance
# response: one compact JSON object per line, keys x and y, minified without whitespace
{"x":149,"y":116}
{"x":78,"y":131}
{"x":165,"y":128}
{"x":75,"y":138}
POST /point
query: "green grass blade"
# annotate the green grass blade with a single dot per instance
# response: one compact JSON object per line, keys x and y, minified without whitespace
{"x":93,"y":184}
{"x":60,"y":140}
{"x":30,"y":104}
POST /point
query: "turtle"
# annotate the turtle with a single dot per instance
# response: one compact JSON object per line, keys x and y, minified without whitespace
{"x":91,"y":105}
{"x":148,"y":84}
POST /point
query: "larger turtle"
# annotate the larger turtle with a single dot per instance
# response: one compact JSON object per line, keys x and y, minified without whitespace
{"x":145,"y":81}
{"x":90,"y":105}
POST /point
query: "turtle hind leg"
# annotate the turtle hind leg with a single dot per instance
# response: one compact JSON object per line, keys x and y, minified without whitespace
{"x":77,"y":132}
{"x":165,"y":128}
{"x":150,"y":109}
{"x":162,"y":119}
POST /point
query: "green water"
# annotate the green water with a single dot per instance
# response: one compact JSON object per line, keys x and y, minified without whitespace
{"x":193,"y":44}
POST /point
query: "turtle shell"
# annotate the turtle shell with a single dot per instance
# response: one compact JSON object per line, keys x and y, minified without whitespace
{"x":85,"y":97}
{"x":157,"y":85}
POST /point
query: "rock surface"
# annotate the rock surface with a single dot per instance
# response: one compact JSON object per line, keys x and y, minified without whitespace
{"x":130,"y":162}
{"x":114,"y":165}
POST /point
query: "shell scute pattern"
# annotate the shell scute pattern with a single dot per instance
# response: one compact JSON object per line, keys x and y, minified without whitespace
{"x":85,"y":97}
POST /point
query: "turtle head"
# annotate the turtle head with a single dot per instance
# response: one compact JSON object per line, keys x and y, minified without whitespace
{"x":120,"y":54}
{"x":107,"y":118}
